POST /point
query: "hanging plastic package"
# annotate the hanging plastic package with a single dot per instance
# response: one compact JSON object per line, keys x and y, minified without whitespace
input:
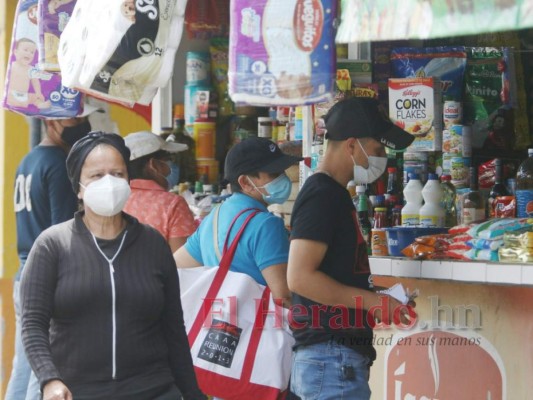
{"x":489,"y":99}
{"x":446,"y":63}
{"x":29,"y":90}
{"x":282,"y":52}
{"x":127,"y":58}
{"x":53,"y":18}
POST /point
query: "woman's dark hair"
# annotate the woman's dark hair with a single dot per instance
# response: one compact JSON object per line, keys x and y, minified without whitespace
{"x":137,"y":168}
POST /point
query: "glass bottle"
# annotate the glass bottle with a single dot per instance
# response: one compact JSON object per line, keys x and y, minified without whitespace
{"x":498,"y":189}
{"x":364,"y":221}
{"x":185,"y":160}
{"x":449,"y":198}
{"x":392,"y":184}
{"x":473,"y":204}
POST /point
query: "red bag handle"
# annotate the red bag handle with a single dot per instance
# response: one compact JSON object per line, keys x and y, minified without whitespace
{"x":225,"y":262}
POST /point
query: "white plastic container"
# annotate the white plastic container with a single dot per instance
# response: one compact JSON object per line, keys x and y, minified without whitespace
{"x":432,"y":214}
{"x":412,"y":194}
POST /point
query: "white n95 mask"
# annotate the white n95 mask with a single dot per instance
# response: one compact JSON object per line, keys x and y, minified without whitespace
{"x":376,"y":168}
{"x":107,"y":196}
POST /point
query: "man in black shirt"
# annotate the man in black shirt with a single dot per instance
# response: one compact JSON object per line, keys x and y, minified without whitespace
{"x":328,"y":269}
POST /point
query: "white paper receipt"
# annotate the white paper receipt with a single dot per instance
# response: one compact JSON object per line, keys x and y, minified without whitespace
{"x":399,"y":293}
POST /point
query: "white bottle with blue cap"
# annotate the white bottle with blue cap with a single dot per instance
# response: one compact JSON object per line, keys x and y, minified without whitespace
{"x":412,"y":194}
{"x":432,"y":213}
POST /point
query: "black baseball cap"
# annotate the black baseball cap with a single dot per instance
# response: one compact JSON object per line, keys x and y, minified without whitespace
{"x":361,"y":117}
{"x":254,"y":155}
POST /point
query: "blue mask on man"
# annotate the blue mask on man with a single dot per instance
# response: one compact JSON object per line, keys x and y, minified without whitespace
{"x":174,"y":177}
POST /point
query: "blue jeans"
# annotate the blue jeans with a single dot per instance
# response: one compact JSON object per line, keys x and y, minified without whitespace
{"x":330,"y":371}
{"x":23,"y":383}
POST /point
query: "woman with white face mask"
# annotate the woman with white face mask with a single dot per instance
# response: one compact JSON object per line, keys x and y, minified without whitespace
{"x":100,"y":296}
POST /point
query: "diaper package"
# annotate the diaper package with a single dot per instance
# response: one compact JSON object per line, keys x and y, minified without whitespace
{"x":121,"y":50}
{"x":28,"y":90}
{"x":53,"y":18}
{"x":282,"y":52}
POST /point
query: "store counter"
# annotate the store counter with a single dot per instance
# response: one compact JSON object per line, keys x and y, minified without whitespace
{"x":472,"y":338}
{"x":454,"y":270}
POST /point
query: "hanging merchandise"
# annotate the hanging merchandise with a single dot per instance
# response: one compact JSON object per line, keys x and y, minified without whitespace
{"x":29,"y":90}
{"x":374,"y":20}
{"x":53,"y":18}
{"x":205,"y":19}
{"x":488,"y":100}
{"x":445,"y":63}
{"x":127,"y":58}
{"x":218,"y":49}
{"x":282,"y":52}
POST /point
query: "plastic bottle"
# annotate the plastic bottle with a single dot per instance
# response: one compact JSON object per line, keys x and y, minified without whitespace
{"x":351,"y":189}
{"x":360,"y":191}
{"x":413,"y":201}
{"x":364,"y":222}
{"x":448,"y":201}
{"x":432,"y":213}
{"x":524,"y":187}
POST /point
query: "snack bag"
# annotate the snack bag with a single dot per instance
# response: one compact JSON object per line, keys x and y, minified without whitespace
{"x":515,"y":254}
{"x":446,"y":63}
{"x":495,"y":228}
{"x":28,"y":90}
{"x":482,"y":255}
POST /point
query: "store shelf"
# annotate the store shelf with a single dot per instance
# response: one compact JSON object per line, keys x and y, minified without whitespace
{"x":475,"y":272}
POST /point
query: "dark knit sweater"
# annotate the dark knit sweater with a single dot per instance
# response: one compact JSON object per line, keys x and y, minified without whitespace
{"x":67,"y":303}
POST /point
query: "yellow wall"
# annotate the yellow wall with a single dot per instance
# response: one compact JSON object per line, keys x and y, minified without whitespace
{"x":14,"y":144}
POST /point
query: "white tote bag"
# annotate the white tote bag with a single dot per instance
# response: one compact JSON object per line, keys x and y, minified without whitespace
{"x":240,"y":340}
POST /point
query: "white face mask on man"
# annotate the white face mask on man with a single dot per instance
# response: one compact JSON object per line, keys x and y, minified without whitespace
{"x":106,"y":196}
{"x":376,"y":168}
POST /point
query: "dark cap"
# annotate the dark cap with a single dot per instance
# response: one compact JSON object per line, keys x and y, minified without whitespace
{"x":254,"y":155}
{"x":360,"y":117}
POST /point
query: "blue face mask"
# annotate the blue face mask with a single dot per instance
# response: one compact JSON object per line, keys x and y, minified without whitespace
{"x":278,"y":190}
{"x":174,"y":177}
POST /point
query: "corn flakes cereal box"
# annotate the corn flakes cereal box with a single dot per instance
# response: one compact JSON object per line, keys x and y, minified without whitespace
{"x":415,"y":105}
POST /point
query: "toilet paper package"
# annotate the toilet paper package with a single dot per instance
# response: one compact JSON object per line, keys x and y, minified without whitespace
{"x":53,"y":18}
{"x":282,"y":52}
{"x":127,"y":58}
{"x":29,"y":90}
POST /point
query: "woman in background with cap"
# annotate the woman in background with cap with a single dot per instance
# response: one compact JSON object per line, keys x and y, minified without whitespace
{"x":152,"y":175}
{"x":101,"y":315}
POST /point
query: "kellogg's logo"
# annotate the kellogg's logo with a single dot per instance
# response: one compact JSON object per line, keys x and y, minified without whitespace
{"x":308,"y":21}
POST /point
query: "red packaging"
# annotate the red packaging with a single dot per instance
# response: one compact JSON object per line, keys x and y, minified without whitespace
{"x":505,"y":207}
